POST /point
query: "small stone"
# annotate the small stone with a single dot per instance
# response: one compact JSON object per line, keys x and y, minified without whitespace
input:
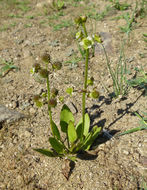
{"x":19,"y":180}
{"x":32,"y":111}
{"x":125,"y":152}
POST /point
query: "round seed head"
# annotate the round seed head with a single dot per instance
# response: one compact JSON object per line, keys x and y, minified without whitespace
{"x":84,"y":18}
{"x":46,"y":58}
{"x":94,"y":94}
{"x":52,"y":102}
{"x":37,"y":67}
{"x":44,"y":73}
{"x":57,"y":65}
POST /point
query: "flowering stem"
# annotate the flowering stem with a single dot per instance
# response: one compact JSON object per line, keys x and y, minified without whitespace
{"x":49,"y":108}
{"x":84,"y":90}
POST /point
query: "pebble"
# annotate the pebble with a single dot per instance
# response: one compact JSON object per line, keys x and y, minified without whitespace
{"x":32,"y":111}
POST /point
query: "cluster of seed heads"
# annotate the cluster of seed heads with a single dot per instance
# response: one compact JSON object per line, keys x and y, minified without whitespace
{"x":44,"y":73}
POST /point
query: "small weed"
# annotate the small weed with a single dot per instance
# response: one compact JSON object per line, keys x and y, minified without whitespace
{"x":99,"y":16}
{"x":118,"y":74}
{"x":28,"y":25}
{"x":120,"y":6}
{"x":140,"y":80}
{"x":6,"y":67}
{"x":14,"y":16}
{"x":30,"y":17}
{"x":141,"y":10}
{"x":130,"y":20}
{"x":58,"y":4}
{"x":63,"y":24}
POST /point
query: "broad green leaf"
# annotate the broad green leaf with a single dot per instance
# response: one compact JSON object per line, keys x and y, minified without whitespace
{"x":72,"y":135}
{"x":87,"y":124}
{"x":56,"y":132}
{"x":79,"y":130}
{"x":91,"y":137}
{"x":57,"y":146}
{"x":65,"y":116}
{"x":45,"y":152}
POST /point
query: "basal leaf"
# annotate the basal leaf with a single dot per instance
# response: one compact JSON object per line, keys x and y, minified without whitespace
{"x":57,"y":146}
{"x":72,"y":135}
{"x":65,"y":116}
{"x":45,"y":152}
{"x":79,"y":130}
{"x":56,"y":132}
{"x":91,"y":137}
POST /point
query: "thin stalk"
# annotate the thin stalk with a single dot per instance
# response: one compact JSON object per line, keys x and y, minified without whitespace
{"x":85,"y":89}
{"x":111,"y":72}
{"x":49,"y":108}
{"x":85,"y":31}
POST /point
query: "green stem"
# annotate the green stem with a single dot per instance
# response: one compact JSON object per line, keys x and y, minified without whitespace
{"x":84,"y":90}
{"x":49,"y":108}
{"x":85,"y":31}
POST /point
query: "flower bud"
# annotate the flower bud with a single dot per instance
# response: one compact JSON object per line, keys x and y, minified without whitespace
{"x":57,"y":65}
{"x":44,"y":73}
{"x":84,"y":18}
{"x":90,"y":81}
{"x":36,"y":67}
{"x":52,"y":102}
{"x":78,"y":20}
{"x":46,"y":58}
{"x":54,"y":92}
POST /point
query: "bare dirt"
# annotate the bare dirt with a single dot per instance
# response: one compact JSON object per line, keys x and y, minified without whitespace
{"x":121,"y":163}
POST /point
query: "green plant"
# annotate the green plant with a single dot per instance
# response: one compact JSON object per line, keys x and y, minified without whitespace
{"x":98,"y":16}
{"x":6,"y":67}
{"x":130,"y":20}
{"x":141,"y":10}
{"x":63,"y":24}
{"x":140,"y":81}
{"x":142,"y":126}
{"x":118,"y":74}
{"x":120,"y":6}
{"x":58,"y":4}
{"x":78,"y":137}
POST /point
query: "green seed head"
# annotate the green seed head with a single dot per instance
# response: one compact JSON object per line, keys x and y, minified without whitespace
{"x":84,"y":18}
{"x":44,"y":73}
{"x":52,"y":102}
{"x":54,"y":92}
{"x":46,"y":58}
{"x":94,"y":94}
{"x":57,"y":65}
{"x":36,"y":67}
{"x":78,"y":21}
